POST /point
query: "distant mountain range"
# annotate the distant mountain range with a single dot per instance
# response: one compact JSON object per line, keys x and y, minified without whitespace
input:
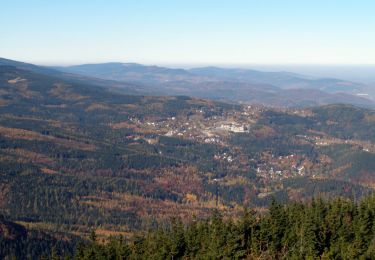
{"x":284,"y":80}
{"x":268,"y":88}
{"x":278,"y":89}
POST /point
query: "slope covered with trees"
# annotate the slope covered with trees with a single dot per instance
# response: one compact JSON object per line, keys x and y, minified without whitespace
{"x":76,"y":156}
{"x":338,"y":229}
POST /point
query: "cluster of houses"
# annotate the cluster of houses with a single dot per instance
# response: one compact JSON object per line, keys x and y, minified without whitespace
{"x":269,"y":172}
{"x":281,"y":167}
{"x":224,"y":157}
{"x":233,"y":127}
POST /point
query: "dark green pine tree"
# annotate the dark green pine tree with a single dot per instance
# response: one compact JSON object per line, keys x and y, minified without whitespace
{"x":217,"y":237}
{"x":194,"y":237}
{"x":235,"y":245}
{"x":314,"y":226}
{"x":278,"y":224}
{"x":177,"y":239}
{"x":363,"y":229}
{"x":247,"y":226}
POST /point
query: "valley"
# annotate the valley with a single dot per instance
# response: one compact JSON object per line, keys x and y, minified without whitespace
{"x":83,"y":156}
{"x":76,"y":156}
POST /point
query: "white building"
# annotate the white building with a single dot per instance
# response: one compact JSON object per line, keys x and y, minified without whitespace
{"x":232,"y":127}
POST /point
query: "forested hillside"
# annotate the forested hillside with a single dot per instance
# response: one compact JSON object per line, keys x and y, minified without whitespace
{"x":338,"y":229}
{"x":18,"y":242}
{"x":76,"y":157}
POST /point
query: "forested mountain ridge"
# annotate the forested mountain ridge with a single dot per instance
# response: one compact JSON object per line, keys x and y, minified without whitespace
{"x":278,"y":89}
{"x":125,"y":87}
{"x":76,"y":156}
{"x":156,"y":74}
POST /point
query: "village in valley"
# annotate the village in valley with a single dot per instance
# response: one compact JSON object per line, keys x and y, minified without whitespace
{"x":218,"y":127}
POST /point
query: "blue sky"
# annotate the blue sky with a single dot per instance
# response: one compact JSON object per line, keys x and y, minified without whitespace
{"x":189,"y":31}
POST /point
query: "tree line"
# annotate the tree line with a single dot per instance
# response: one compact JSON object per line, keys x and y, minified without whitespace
{"x":335,"y":229}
